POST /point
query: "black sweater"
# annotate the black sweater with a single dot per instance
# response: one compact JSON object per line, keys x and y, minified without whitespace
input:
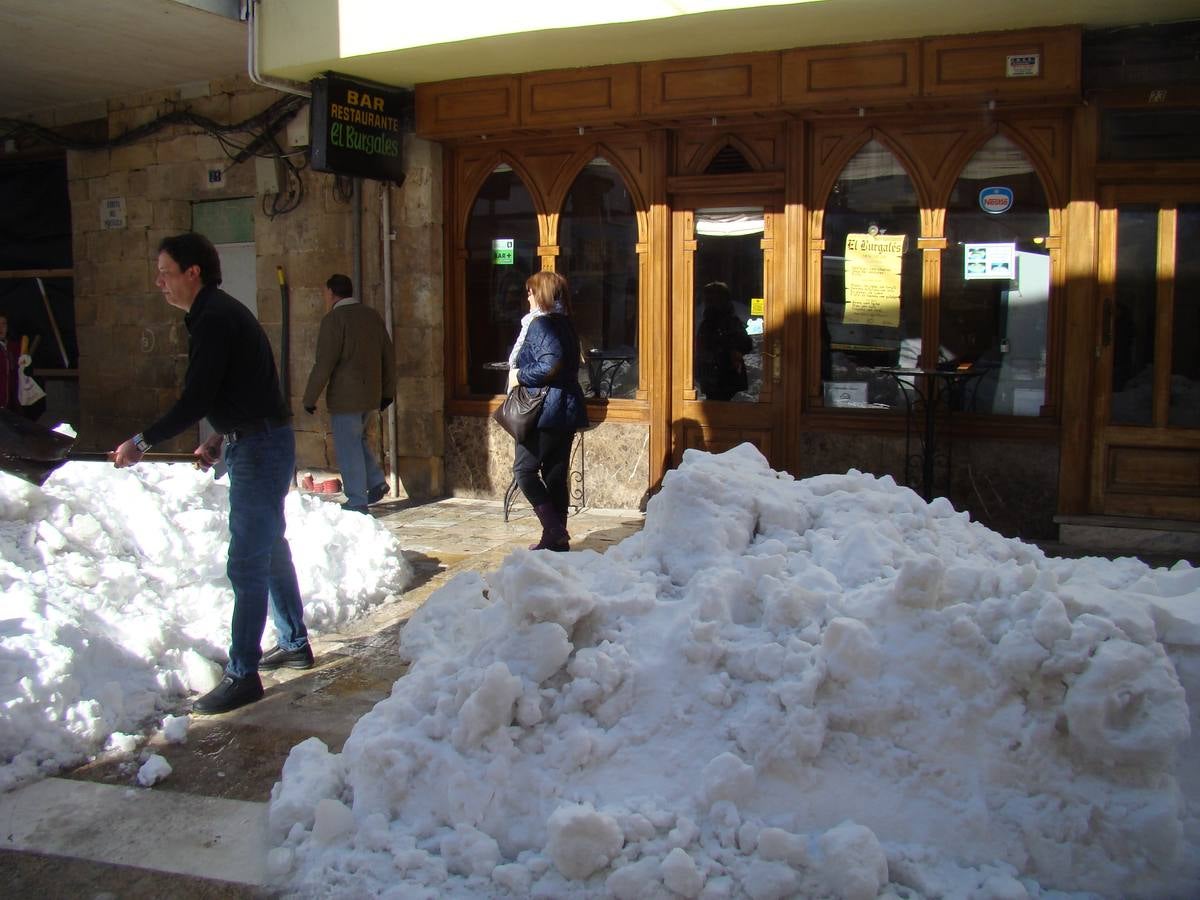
{"x":231,"y":377}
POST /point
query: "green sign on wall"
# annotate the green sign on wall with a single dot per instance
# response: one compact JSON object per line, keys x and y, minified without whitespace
{"x":503,"y":253}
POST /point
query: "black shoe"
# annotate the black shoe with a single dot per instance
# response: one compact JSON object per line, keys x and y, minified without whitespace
{"x":377,"y":493}
{"x":278,"y":658}
{"x":230,"y":694}
{"x":350,"y":507}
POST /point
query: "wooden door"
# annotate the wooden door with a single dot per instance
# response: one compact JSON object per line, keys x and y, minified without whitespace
{"x":1146,"y":449}
{"x":727,"y":314}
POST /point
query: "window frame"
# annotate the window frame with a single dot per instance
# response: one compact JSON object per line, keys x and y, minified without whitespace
{"x":548,"y":170}
{"x":933,"y":180}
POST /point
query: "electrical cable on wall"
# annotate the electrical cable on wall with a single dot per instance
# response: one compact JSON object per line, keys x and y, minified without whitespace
{"x":252,"y":137}
{"x":259,"y":126}
{"x":289,"y":197}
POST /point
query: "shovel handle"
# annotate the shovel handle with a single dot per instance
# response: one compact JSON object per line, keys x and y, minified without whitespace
{"x":102,"y":456}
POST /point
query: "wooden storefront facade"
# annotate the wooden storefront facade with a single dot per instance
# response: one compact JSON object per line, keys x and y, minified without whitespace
{"x":647,"y":184}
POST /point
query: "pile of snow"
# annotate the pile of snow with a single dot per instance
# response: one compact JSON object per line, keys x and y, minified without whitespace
{"x":779,"y":688}
{"x":114,"y":601}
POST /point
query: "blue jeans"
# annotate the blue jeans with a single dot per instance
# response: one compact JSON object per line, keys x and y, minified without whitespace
{"x":359,"y":469}
{"x":261,"y":468}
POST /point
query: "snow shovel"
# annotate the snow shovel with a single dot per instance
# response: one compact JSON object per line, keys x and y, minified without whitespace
{"x":31,"y":451}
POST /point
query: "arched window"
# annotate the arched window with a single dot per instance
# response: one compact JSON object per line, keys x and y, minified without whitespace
{"x":996,"y":280}
{"x":870,"y":280}
{"x":502,"y":240}
{"x":597,"y":240}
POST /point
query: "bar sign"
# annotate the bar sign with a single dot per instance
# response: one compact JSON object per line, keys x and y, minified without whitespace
{"x":503,"y":251}
{"x":1023,"y":65}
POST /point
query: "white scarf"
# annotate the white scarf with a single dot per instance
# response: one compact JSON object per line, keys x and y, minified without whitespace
{"x":525,"y":320}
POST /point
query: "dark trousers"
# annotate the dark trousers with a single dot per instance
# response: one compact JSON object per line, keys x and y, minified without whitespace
{"x":541,"y":467}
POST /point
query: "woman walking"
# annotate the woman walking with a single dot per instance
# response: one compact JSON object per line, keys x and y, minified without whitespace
{"x":546,"y":355}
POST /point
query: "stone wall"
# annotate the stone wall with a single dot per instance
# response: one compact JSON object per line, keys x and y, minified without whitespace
{"x":133,"y":346}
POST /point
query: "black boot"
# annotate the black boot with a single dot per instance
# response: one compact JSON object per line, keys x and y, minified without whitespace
{"x":554,"y":531}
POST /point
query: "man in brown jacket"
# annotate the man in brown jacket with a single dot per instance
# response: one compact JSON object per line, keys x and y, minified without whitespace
{"x":356,"y":367}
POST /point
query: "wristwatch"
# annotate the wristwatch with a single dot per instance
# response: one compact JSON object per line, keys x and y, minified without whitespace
{"x":140,"y":443}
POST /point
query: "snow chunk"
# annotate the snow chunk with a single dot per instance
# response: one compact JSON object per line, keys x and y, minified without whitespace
{"x":153,"y":770}
{"x":543,"y":587}
{"x":331,"y":820}
{"x":489,"y":707}
{"x":727,"y":778}
{"x":468,"y":851}
{"x":175,"y":729}
{"x":309,"y":773}
{"x":853,"y":862}
{"x":680,"y":874}
{"x":1128,"y":706}
{"x":851,"y":650}
{"x":582,"y":841}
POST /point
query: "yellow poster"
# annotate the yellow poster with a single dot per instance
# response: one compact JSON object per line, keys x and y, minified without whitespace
{"x":873,"y":279}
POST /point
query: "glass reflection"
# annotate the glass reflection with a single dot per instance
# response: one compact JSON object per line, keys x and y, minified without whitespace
{"x":996,"y":280}
{"x":1184,"y":406}
{"x":728,"y":304}
{"x":501,"y":253}
{"x":1136,"y":287}
{"x":598,"y":255}
{"x":870,"y":318}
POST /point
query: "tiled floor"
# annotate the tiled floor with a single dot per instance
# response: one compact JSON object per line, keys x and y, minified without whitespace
{"x":231,"y":761}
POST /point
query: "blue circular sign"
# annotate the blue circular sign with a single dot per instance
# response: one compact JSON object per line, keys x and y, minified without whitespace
{"x":996,"y":200}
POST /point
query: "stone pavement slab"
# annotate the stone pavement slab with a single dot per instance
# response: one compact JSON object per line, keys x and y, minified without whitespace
{"x":172,"y":832}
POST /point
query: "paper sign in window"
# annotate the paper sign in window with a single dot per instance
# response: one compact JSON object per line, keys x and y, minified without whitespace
{"x":873,"y":265}
{"x":989,"y":261}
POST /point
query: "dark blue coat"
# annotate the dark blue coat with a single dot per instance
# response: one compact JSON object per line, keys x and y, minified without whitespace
{"x":550,"y":357}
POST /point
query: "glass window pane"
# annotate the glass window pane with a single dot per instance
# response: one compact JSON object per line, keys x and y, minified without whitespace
{"x":598,"y":255}
{"x":1184,"y":408}
{"x":728,"y":277}
{"x":1134,"y":315}
{"x":1149,"y":134}
{"x":502,"y":241}
{"x":996,"y":280}
{"x":870,"y":281}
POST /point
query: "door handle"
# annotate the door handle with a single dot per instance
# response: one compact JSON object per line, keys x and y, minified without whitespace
{"x":775,"y":354}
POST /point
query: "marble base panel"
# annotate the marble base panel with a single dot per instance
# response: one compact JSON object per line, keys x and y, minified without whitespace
{"x":610,"y":462}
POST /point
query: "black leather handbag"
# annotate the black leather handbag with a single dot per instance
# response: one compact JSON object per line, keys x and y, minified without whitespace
{"x":518,"y":414}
